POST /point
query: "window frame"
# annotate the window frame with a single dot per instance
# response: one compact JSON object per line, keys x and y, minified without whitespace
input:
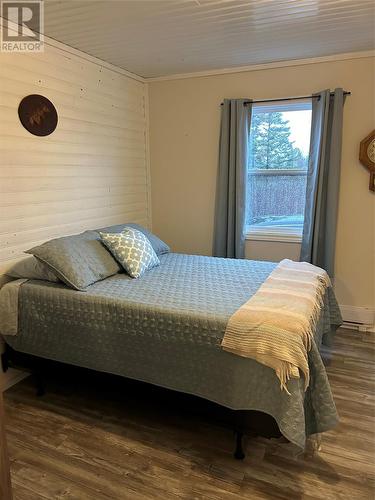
{"x":278,"y":233}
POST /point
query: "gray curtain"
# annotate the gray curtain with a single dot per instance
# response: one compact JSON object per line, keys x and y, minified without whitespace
{"x":322,"y":190}
{"x":230,"y":211}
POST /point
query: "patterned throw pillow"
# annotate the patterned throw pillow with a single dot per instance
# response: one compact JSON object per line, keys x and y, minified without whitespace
{"x":132,"y":250}
{"x":158,"y":245}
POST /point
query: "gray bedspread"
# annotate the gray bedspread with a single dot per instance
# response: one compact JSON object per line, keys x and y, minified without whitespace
{"x":166,"y":328}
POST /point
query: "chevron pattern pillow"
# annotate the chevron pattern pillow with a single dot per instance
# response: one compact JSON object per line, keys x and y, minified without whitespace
{"x":132,"y":250}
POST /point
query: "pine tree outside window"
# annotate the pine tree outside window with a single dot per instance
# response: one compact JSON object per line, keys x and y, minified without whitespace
{"x":279,"y":145}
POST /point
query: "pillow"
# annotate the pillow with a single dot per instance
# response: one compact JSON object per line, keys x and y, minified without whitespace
{"x":32,"y":269}
{"x":79,"y":260}
{"x":157,"y":244}
{"x":132,"y":249}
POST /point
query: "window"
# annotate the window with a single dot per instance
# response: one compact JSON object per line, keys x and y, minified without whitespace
{"x":279,"y":145}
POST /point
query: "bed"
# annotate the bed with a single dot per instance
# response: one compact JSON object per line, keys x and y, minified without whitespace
{"x":166,"y":329}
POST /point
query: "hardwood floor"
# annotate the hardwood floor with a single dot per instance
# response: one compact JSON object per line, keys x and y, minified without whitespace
{"x":5,"y":487}
{"x":87,"y":439}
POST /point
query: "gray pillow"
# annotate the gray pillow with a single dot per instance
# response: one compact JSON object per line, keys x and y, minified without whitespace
{"x":32,"y":269}
{"x":79,"y":260}
{"x":157,"y":244}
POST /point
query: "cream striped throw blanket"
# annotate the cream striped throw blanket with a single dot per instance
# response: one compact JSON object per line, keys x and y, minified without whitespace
{"x":276,"y":326}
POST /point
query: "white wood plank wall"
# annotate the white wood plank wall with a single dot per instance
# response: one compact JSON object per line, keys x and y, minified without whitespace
{"x":91,"y":172}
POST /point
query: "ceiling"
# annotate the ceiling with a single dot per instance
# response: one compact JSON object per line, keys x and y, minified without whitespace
{"x":159,"y":38}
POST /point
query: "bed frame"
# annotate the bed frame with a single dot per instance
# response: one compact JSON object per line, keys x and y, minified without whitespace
{"x":241,"y":422}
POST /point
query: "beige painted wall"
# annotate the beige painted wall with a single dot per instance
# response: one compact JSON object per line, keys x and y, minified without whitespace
{"x":184,"y":132}
{"x":273,"y":251}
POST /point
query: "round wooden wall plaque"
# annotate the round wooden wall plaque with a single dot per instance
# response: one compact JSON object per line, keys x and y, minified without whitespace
{"x":38,"y":115}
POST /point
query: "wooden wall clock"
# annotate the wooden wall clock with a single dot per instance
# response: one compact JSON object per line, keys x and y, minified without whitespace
{"x":38,"y":115}
{"x":367,"y":156}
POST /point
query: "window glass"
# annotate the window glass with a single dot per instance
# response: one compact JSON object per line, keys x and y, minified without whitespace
{"x":279,"y":145}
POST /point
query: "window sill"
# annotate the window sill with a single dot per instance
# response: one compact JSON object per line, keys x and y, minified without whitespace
{"x":283,"y":237}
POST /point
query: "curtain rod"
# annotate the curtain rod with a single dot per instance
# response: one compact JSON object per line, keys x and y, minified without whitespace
{"x":346,"y":92}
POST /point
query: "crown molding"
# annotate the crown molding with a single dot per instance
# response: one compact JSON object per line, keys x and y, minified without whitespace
{"x":264,"y":66}
{"x":63,"y":47}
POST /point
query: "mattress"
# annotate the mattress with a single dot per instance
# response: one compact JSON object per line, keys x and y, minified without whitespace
{"x":166,"y":328}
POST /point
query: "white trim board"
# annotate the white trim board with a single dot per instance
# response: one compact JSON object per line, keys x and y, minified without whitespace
{"x":146,"y":100}
{"x":264,"y":66}
{"x":269,"y":236}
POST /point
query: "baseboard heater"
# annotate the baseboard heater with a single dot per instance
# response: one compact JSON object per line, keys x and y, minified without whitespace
{"x":358,"y":318}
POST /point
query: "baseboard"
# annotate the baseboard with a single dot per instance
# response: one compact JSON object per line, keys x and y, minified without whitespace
{"x":362,"y":318}
{"x":11,"y":377}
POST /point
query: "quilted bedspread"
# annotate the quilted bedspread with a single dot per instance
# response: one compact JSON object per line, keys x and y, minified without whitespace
{"x":166,"y":328}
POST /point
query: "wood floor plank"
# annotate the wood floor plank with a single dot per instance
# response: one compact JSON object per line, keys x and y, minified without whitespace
{"x":5,"y":486}
{"x":87,"y":442}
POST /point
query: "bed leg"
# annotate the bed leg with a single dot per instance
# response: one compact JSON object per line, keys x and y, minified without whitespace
{"x":238,"y":452}
{"x":5,"y":360}
{"x":39,"y":384}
